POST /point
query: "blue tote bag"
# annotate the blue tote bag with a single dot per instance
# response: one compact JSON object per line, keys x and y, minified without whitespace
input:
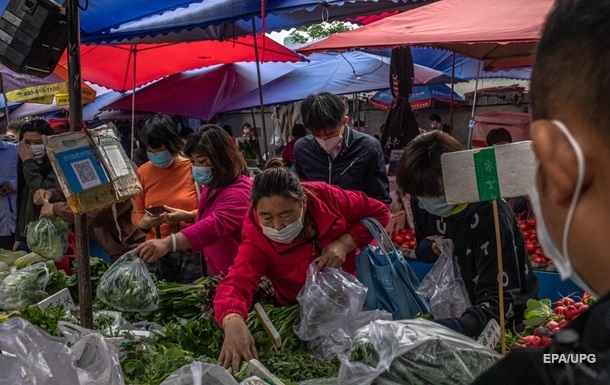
{"x":390,"y":280}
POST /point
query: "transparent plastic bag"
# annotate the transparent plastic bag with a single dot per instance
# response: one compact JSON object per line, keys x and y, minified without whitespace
{"x":118,"y":322}
{"x":47,"y":360}
{"x":413,"y":352}
{"x":199,"y":373}
{"x":254,"y":380}
{"x":340,"y":341}
{"x":128,"y":286}
{"x":329,"y":299}
{"x":48,"y":238}
{"x":24,"y":287}
{"x":444,"y":286}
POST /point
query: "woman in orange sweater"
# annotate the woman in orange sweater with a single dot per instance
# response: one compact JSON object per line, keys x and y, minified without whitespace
{"x":167,"y":181}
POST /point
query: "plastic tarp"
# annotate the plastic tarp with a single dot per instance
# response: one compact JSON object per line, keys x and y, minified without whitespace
{"x":207,"y":92}
{"x":503,"y":33}
{"x":112,"y":66}
{"x":422,"y":97}
{"x":216,"y":19}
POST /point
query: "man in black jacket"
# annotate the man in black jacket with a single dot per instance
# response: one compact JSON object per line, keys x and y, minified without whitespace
{"x":471,"y":228}
{"x":570,"y":132}
{"x":335,"y":153}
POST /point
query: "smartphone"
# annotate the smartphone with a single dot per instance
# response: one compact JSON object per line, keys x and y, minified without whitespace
{"x":155,"y":211}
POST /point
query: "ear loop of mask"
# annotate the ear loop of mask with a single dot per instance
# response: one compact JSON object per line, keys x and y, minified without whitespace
{"x":580,"y":159}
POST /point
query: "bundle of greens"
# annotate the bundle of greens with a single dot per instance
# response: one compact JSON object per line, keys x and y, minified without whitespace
{"x":24,"y":287}
{"x":128,"y":286}
{"x":48,"y":238}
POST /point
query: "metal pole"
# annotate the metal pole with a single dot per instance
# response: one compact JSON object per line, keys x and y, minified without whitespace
{"x":260,"y":89}
{"x":474,"y":104}
{"x":452,"y":84}
{"x":133,"y":99}
{"x":76,"y":122}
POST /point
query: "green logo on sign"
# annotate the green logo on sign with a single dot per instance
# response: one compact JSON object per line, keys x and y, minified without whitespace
{"x":486,"y":172}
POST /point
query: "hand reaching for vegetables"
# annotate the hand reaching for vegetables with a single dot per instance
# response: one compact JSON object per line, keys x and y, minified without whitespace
{"x":153,"y":249}
{"x":175,"y":216}
{"x":238,"y":344}
{"x":333,"y":255}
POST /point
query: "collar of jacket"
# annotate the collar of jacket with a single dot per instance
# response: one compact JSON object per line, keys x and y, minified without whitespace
{"x":323,"y":217}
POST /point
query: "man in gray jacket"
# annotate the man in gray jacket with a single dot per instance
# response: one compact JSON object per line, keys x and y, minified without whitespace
{"x":335,"y":153}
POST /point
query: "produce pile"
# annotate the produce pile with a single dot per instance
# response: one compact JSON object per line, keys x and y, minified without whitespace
{"x":537,"y":257}
{"x":184,"y":328}
{"x":543,"y":319}
{"x":405,"y":239}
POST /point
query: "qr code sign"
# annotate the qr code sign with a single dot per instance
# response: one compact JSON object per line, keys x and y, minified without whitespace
{"x":86,"y":173}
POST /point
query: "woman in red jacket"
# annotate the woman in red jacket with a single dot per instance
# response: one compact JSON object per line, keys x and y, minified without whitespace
{"x":289,"y":225}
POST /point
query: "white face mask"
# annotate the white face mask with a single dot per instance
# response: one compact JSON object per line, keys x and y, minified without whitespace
{"x":561,"y":259}
{"x":38,"y":151}
{"x":287,"y":234}
{"x":331,"y":145}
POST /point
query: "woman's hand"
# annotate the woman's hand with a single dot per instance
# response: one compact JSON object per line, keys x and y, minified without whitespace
{"x":148,"y":222}
{"x":154,"y":249}
{"x":238,"y":343}
{"x":25,"y":151}
{"x":175,"y":216}
{"x":333,"y":255}
{"x":46,"y":211}
{"x":41,"y":196}
{"x":434,"y":246}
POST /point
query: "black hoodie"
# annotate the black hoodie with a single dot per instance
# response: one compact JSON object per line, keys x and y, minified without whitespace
{"x":473,"y":234}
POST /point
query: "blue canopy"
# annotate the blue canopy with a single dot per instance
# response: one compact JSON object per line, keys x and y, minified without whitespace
{"x":422,"y":97}
{"x":125,"y":21}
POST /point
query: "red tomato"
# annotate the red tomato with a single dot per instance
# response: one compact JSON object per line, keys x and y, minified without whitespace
{"x":406,"y":245}
{"x":403,"y":231}
{"x":398,"y":239}
{"x":530,"y":247}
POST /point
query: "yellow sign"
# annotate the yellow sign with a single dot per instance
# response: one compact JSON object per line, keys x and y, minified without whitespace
{"x":44,"y":94}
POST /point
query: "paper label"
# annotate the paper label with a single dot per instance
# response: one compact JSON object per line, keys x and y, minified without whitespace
{"x":61,"y":298}
{"x":490,"y":335}
{"x":117,"y":162}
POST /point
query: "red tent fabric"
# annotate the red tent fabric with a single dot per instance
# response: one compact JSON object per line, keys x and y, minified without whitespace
{"x":503,"y":33}
{"x":112,"y":66}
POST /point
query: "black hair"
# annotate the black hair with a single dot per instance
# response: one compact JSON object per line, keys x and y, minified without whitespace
{"x":572,"y":69}
{"x":435,"y":118}
{"x":323,"y":112}
{"x":227,"y":162}
{"x":419,"y":170}
{"x":298,"y":130}
{"x":228,"y":129}
{"x":36,"y":125}
{"x":185,"y":132}
{"x":498,"y":135}
{"x":277,"y":181}
{"x":160,"y":130}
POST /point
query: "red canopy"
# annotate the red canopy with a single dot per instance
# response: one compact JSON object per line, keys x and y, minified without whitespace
{"x":112,"y":66}
{"x":501,"y":32}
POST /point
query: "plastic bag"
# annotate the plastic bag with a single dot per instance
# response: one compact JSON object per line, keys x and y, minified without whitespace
{"x":128,"y":286}
{"x":444,"y":286}
{"x":48,"y":238}
{"x":48,"y":360}
{"x":24,"y":287}
{"x":340,"y":341}
{"x":199,"y":373}
{"x":329,"y":299}
{"x":118,"y":322}
{"x":413,"y":352}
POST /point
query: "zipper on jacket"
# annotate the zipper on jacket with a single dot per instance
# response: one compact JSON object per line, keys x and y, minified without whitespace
{"x":350,"y":165}
{"x":330,"y":170}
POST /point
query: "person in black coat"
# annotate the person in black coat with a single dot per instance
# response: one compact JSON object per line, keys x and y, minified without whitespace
{"x":570,"y":131}
{"x":471,"y":228}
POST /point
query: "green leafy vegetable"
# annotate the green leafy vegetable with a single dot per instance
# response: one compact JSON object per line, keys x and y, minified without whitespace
{"x":24,"y":287}
{"x":48,"y":238}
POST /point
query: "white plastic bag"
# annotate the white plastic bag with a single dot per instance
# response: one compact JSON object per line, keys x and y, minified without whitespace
{"x":329,"y":300}
{"x":413,"y":352}
{"x":24,"y":287}
{"x":444,"y":286}
{"x":199,"y":373}
{"x":48,"y":238}
{"x":128,"y":286}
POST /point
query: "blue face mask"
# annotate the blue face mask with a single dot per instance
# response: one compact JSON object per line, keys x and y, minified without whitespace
{"x":202,"y":175}
{"x":436,"y":205}
{"x":161,"y":159}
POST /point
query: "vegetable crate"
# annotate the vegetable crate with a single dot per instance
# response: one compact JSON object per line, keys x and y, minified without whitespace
{"x":66,"y":263}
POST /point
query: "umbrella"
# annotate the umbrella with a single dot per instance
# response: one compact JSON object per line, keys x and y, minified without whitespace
{"x":201,"y":93}
{"x":422,"y":97}
{"x":189,"y":94}
{"x":218,"y":19}
{"x":125,"y":67}
{"x":503,"y":33}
